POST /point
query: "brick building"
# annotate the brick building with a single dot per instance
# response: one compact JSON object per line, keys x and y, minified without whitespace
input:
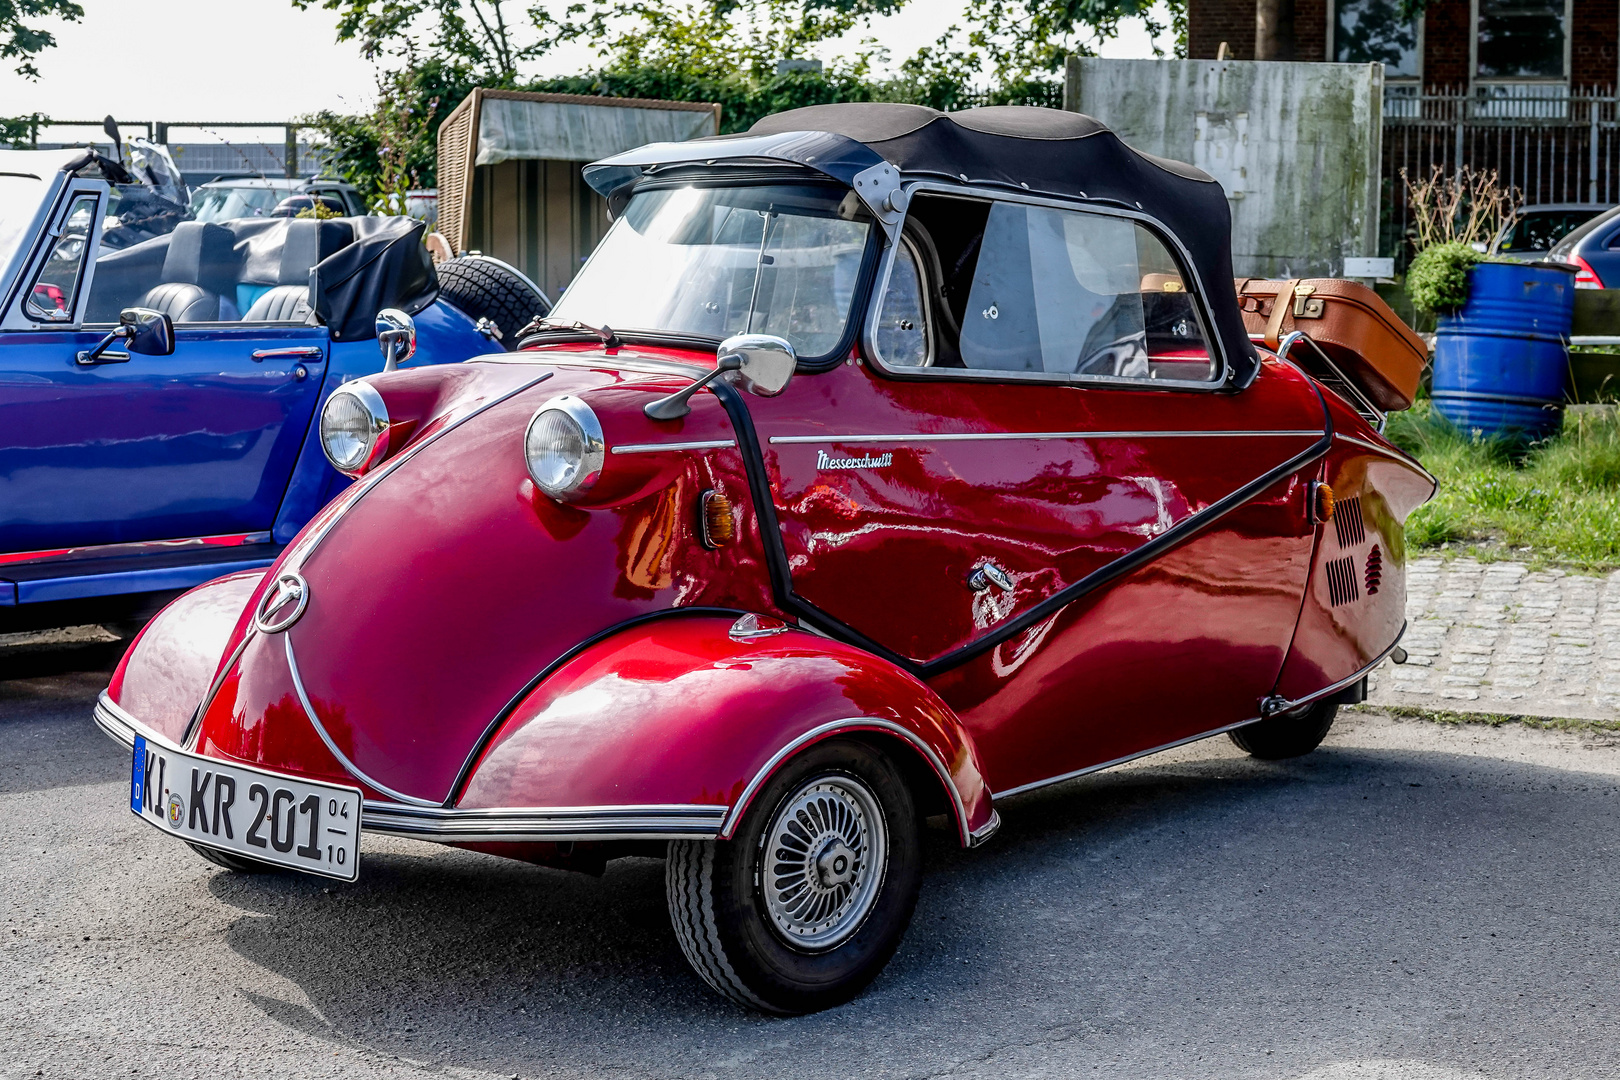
{"x":1478,"y":44}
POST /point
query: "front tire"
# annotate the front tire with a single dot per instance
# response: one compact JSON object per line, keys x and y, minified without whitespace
{"x":809,"y":900}
{"x":1289,"y":734}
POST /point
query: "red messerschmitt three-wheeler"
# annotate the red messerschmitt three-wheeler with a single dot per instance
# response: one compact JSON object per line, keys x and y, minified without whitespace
{"x":881,"y":464}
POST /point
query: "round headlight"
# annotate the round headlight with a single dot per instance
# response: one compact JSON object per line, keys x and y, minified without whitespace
{"x":354,"y":428}
{"x":564,"y":448}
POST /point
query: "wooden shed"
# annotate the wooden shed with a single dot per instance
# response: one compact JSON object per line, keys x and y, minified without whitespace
{"x":510,"y":172}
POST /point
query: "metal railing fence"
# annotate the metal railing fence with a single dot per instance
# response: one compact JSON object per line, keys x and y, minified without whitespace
{"x":1552,"y":143}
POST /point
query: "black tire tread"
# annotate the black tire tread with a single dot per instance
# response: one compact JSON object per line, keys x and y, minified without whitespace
{"x":241,"y":864}
{"x":483,"y":289}
{"x":689,"y":882}
{"x":1287,"y":736}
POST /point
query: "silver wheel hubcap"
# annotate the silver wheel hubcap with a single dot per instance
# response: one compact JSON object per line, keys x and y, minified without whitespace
{"x":825,"y":852}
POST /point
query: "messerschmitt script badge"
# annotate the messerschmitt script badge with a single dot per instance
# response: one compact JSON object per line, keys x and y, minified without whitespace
{"x":825,"y":460}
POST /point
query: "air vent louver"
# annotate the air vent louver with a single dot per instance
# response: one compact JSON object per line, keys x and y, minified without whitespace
{"x":1341,"y":578}
{"x":1347,"y":522}
{"x":1375,"y":570}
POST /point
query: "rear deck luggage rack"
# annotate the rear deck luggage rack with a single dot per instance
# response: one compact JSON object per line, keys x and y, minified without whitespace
{"x":1333,"y":378}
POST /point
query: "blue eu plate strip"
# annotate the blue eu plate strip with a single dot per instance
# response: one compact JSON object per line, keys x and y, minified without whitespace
{"x":139,"y":774}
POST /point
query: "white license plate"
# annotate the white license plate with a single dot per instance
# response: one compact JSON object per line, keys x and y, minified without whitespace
{"x":301,"y":824}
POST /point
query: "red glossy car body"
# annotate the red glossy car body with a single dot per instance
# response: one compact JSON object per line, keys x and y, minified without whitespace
{"x":502,"y":670}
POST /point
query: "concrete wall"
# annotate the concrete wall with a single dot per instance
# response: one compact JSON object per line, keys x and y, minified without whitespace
{"x":1296,"y":146}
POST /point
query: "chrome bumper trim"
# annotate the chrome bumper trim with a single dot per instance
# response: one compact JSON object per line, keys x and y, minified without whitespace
{"x":545,"y":823}
{"x":118,"y":725}
{"x":984,"y":832}
{"x":1273,"y":705}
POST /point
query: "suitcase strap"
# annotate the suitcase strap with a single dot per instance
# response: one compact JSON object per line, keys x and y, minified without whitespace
{"x":1279,"y":307}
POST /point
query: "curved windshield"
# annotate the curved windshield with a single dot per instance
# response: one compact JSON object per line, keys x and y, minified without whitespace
{"x":20,"y":197}
{"x":716,"y":261}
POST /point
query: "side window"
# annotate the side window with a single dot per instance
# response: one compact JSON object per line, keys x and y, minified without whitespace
{"x":902,"y":336}
{"x":1063,"y":292}
{"x":52,"y":294}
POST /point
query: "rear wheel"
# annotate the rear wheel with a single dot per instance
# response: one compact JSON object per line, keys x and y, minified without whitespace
{"x":240,"y":863}
{"x":486,"y":288}
{"x":809,"y":900}
{"x":1287,"y":734}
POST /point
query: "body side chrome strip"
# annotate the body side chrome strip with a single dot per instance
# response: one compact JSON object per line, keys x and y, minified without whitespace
{"x":1395,"y":454}
{"x":1021,"y":788}
{"x":135,"y":547}
{"x":1271,"y":706}
{"x":542,"y":823}
{"x":1307,"y":699}
{"x":320,"y":729}
{"x":653,"y":448}
{"x":780,"y":440}
{"x":855,"y":723}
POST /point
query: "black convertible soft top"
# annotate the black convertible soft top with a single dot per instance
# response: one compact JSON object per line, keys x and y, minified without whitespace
{"x":1022,"y":148}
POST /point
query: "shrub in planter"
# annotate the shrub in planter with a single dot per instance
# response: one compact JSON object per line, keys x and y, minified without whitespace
{"x":1437,"y":280}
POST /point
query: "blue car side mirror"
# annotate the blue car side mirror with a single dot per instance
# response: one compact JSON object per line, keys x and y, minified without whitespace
{"x":143,"y":330}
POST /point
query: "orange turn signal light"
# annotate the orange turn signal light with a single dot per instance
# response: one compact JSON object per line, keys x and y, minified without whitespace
{"x":717,"y":521}
{"x":1321,"y":503}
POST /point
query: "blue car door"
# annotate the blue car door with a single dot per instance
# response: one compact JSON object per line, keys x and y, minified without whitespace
{"x":201,"y":443}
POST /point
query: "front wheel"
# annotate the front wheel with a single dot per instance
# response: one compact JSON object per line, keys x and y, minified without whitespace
{"x":809,"y":900}
{"x":1288,"y":734}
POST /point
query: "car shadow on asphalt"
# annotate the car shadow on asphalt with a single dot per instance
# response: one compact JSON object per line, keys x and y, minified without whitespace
{"x":48,"y":739}
{"x":1238,"y":904}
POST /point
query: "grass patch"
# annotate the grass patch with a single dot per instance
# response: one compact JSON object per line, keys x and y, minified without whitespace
{"x":1556,"y":501}
{"x":1446,"y":716}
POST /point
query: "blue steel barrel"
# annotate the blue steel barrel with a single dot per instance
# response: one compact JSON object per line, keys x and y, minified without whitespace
{"x":1500,"y":362}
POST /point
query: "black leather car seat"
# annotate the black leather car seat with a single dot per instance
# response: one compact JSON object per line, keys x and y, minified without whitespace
{"x":199,"y":264}
{"x":284,"y":303}
{"x":182,"y":302}
{"x":304,"y":243}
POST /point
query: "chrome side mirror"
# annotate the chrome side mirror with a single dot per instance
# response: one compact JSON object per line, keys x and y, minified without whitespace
{"x":765,"y":363}
{"x":396,"y":337}
{"x":150,"y":333}
{"x":142,"y":330}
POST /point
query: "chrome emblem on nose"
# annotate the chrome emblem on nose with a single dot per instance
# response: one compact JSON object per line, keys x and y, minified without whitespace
{"x":283,"y":604}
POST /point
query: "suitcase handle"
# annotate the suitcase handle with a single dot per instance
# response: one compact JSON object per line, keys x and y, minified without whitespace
{"x":1279,"y":307}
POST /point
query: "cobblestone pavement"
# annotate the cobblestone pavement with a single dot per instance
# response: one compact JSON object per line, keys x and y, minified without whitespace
{"x":1500,"y":638}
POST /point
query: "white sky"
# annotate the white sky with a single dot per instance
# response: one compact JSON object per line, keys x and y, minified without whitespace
{"x":265,"y":60}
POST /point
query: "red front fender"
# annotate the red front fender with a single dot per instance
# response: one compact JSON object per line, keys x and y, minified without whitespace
{"x":678,"y":712}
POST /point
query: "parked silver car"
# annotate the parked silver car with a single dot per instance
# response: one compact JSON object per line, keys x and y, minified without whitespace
{"x":225,"y":200}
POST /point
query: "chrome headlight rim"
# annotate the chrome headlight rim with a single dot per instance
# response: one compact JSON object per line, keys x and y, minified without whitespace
{"x":592,"y":460}
{"x":378,"y":425}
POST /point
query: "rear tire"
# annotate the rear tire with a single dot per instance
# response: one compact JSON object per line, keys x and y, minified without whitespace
{"x":1288,"y":734}
{"x":803,"y":907}
{"x":239,"y":863}
{"x":486,"y":288}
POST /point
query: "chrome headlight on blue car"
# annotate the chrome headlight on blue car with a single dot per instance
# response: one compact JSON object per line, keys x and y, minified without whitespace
{"x":354,"y":428}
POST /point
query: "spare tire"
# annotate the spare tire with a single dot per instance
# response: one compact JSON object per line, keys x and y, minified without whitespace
{"x":487,"y":288}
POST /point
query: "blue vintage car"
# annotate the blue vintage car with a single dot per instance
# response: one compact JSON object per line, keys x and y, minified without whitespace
{"x":126,"y":475}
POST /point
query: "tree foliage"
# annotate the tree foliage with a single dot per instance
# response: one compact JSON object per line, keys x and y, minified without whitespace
{"x":23,"y":41}
{"x":726,"y":51}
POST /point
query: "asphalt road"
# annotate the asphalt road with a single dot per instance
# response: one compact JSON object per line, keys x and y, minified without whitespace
{"x":1412,"y":901}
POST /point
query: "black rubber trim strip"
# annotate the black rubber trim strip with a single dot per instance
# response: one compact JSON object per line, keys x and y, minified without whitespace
{"x":788,"y":600}
{"x":464,"y":775}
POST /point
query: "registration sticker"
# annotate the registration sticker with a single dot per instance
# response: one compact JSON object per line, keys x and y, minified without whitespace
{"x":300,"y":824}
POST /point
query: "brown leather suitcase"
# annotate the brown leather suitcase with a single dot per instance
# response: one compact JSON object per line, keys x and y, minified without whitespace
{"x":1367,"y":341}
